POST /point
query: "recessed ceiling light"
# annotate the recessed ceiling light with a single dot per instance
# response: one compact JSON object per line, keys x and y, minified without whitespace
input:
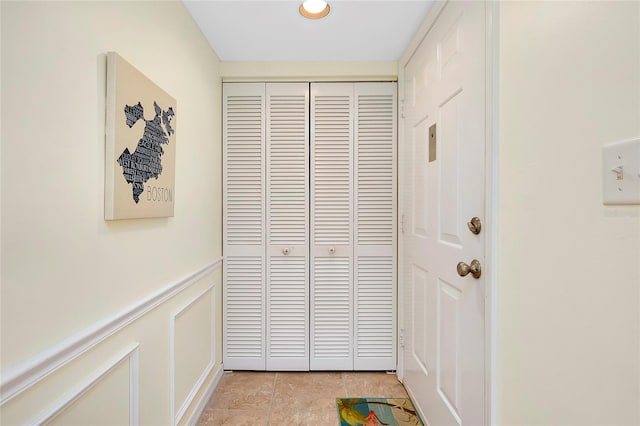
{"x":314,"y":9}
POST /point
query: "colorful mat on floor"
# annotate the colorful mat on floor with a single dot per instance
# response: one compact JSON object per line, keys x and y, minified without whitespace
{"x":376,"y":412}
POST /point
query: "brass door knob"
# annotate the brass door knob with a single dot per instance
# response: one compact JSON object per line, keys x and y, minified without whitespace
{"x":474,"y":269}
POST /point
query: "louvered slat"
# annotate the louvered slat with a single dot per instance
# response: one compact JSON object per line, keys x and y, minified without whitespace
{"x":287,"y":218}
{"x":374,"y":308}
{"x":375,"y":170}
{"x":288,"y":168}
{"x":288,"y":307}
{"x":244,"y":177}
{"x":332,"y":310}
{"x":375,"y":211}
{"x":244,"y":314}
{"x":243,"y":241}
{"x":332,"y":226}
{"x":332,"y":169}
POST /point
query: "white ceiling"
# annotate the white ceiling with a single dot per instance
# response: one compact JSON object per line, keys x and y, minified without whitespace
{"x":267,"y":30}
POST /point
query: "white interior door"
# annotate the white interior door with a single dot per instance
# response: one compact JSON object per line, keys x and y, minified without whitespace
{"x":287,"y":150}
{"x":443,"y":188}
{"x":331,"y":226}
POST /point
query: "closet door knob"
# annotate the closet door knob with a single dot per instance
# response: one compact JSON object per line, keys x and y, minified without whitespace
{"x":285,"y":251}
{"x":332,"y":250}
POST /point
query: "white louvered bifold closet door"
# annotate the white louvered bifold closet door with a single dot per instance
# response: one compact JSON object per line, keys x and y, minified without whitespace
{"x":375,"y":226}
{"x":309,"y":211}
{"x":287,"y":226}
{"x":244,"y":226}
{"x":331,"y":226}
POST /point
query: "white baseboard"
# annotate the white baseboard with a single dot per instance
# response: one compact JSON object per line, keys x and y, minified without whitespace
{"x":206,"y":397}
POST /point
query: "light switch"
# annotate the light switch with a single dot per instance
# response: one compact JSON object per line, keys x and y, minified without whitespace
{"x":621,"y":172}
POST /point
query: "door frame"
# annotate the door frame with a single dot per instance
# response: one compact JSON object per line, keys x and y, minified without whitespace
{"x":492,"y":39}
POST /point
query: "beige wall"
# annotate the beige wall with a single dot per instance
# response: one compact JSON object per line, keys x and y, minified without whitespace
{"x":66,"y":271}
{"x":569,"y":267}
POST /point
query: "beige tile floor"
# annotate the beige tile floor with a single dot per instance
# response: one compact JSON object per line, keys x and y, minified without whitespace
{"x":279,"y":399}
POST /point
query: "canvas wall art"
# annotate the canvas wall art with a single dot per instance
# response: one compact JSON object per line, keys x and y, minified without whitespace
{"x":140,"y":145}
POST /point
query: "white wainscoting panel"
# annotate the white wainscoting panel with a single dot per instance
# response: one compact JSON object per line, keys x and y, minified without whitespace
{"x":192,"y":351}
{"x":32,"y":371}
{"x":117,"y":378}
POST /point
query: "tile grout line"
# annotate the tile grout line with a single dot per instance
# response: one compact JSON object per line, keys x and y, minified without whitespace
{"x":344,"y":384}
{"x":273,"y":394}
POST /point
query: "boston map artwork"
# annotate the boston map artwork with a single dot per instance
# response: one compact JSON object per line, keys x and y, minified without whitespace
{"x":140,"y":148}
{"x":146,"y":161}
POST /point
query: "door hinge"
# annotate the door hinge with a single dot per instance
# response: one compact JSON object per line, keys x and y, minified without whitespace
{"x":401,"y":338}
{"x":402,"y":223}
{"x":401,"y":108}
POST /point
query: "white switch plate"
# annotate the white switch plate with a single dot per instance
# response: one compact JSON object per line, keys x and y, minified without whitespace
{"x":621,"y":172}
